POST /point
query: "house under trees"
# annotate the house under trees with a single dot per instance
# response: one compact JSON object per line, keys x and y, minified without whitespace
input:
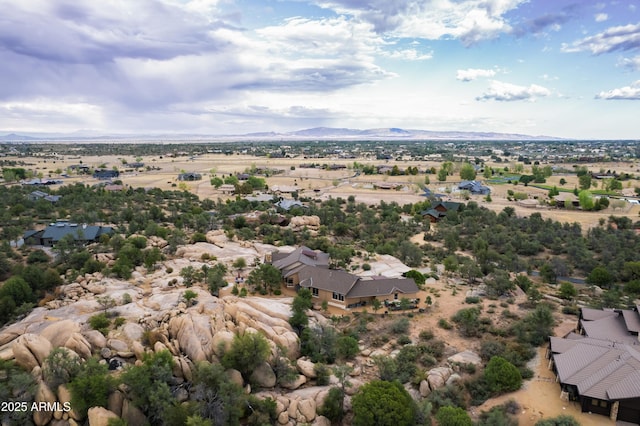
{"x":306,"y":268}
{"x":52,"y":234}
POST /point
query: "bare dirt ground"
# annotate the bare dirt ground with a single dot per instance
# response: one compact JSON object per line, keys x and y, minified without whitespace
{"x":540,"y":396}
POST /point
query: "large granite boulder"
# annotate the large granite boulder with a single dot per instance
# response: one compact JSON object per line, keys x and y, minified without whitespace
{"x":99,"y":416}
{"x":263,"y":376}
{"x":30,"y":350}
{"x":194,"y":335}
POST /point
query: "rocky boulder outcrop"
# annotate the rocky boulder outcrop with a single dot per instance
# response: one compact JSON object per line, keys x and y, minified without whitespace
{"x":272,"y":323}
{"x":194,"y":335}
{"x":465,"y":357}
{"x":306,"y":367}
{"x":299,"y":222}
{"x":30,"y":350}
{"x":263,"y":376}
{"x":99,"y":416}
{"x":437,"y":377}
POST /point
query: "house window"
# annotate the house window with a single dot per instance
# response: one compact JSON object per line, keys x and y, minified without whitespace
{"x":289,"y":282}
{"x":395,"y":296}
{"x":314,"y":291}
{"x":338,"y":296}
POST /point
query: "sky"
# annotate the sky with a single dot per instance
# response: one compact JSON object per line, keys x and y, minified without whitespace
{"x":558,"y":68}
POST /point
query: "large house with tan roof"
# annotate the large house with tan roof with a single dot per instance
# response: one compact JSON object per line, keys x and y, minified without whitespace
{"x":306,"y":268}
{"x":599,"y":364}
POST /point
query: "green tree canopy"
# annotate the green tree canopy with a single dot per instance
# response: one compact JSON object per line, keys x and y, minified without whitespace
{"x":247,"y":351}
{"x":502,"y":376}
{"x":453,"y":416}
{"x":383,"y":403}
{"x":467,"y":172}
{"x":265,"y":278}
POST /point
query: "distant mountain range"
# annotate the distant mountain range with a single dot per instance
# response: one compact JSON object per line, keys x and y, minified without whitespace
{"x":316,"y":133}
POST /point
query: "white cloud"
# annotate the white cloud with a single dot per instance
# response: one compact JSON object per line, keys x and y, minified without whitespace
{"x":408,"y":55}
{"x":473,"y":73}
{"x":507,"y":92}
{"x":632,"y":63}
{"x":601,"y":17}
{"x":631,"y":92}
{"x":51,"y":114}
{"x":624,"y":37}
{"x":470,"y":21}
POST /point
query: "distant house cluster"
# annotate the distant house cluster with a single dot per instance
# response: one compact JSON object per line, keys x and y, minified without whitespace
{"x":599,"y":365}
{"x":52,"y":234}
{"x":306,"y":268}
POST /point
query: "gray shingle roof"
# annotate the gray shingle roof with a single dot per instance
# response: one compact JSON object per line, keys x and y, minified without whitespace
{"x":59,"y":230}
{"x":606,"y":364}
{"x":590,"y":314}
{"x":609,"y":328}
{"x":632,"y":320}
{"x":383,"y":287}
{"x":302,"y":255}
{"x":332,"y":280}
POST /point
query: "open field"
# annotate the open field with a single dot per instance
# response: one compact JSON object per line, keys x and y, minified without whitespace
{"x":324,"y":184}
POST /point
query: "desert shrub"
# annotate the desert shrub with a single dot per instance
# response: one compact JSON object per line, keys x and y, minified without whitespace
{"x":433,"y":347}
{"x":497,"y":416}
{"x":126,"y":299}
{"x":60,"y":367}
{"x":100,"y":322}
{"x":403,"y":339}
{"x":453,"y":416}
{"x":38,"y":256}
{"x":502,"y":376}
{"x":478,"y":389}
{"x":444,"y":324}
{"x":91,"y":386}
{"x":571,"y":310}
{"x":383,"y":403}
{"x":319,"y":343}
{"x":216,"y":397}
{"x":18,"y":386}
{"x":536,"y":327}
{"x":333,"y":405}
{"x":525,"y":373}
{"x":346,"y":347}
{"x":451,"y":395}
{"x":247,"y":351}
{"x":472,"y":299}
{"x":119,"y":321}
{"x":426,"y":335}
{"x":323,"y":373}
{"x":562,"y":420}
{"x":149,"y":384}
{"x":260,"y":411}
{"x":491,"y":348}
{"x":467,"y":321}
{"x":400,"y":326}
{"x":379,"y":339}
